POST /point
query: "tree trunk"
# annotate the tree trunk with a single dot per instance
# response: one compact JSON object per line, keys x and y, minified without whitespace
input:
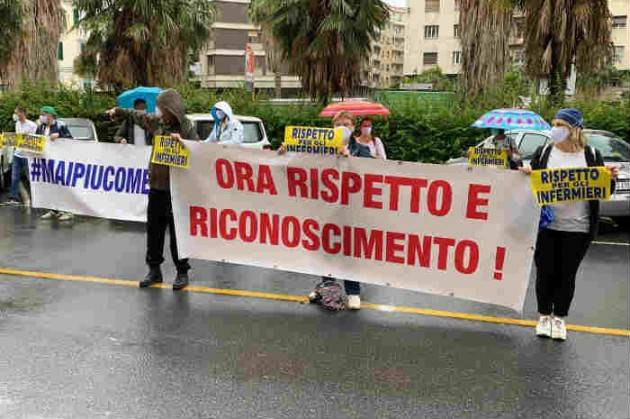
{"x":277,"y":78}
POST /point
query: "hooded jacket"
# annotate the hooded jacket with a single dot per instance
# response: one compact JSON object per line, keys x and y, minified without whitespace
{"x":168,"y":101}
{"x":229,"y":133}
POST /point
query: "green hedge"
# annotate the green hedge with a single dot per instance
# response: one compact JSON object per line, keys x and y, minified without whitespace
{"x":417,"y":130}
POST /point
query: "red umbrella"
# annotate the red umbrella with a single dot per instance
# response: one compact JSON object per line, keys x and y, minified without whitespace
{"x":356,"y":108}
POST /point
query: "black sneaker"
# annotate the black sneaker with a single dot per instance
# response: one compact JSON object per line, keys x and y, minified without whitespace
{"x":181,"y":281}
{"x":153,"y":277}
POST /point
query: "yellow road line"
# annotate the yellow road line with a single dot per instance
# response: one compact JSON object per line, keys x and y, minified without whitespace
{"x":303,"y":299}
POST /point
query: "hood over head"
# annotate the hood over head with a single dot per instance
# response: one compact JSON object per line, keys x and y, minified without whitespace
{"x":226,"y":108}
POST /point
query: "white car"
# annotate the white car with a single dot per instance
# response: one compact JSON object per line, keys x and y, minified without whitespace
{"x":614,"y":151}
{"x":254,"y":132}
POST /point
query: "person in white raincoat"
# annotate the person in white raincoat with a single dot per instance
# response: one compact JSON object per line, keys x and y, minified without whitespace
{"x":227,"y":129}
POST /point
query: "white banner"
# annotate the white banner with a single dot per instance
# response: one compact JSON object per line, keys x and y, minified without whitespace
{"x":447,"y":230}
{"x":88,"y":178}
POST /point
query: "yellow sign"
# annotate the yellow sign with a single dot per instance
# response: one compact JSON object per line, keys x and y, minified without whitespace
{"x":8,"y":139}
{"x":31,"y":143}
{"x":487,"y":157}
{"x":313,"y":140}
{"x":169,"y":152}
{"x":559,"y":186}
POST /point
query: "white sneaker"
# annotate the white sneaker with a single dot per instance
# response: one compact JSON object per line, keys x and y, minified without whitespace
{"x":49,"y":215}
{"x":543,"y":328}
{"x":66,"y":216}
{"x":558,"y":329}
{"x":354,"y":302}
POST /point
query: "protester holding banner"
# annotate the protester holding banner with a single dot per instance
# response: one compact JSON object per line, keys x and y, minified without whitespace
{"x":169,"y":119}
{"x":506,"y":142}
{"x":53,"y":129}
{"x":367,"y":139}
{"x":563,"y":243}
{"x":130,"y":133}
{"x":227,"y":129}
{"x":19,"y":164}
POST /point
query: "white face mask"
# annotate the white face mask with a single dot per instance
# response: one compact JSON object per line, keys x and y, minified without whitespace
{"x":158,"y":112}
{"x":366,"y":130}
{"x":15,"y":117}
{"x":559,"y":134}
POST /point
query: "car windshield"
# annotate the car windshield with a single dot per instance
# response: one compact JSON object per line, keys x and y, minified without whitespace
{"x":251,"y":130}
{"x":80,"y":132}
{"x":612,"y":148}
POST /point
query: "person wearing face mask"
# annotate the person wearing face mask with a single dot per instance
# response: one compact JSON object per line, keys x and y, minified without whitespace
{"x":19,"y":164}
{"x":130,"y":133}
{"x":53,"y":129}
{"x":506,"y":142}
{"x":366,"y":139}
{"x":169,"y":119}
{"x":563,"y":243}
{"x":227,"y":130}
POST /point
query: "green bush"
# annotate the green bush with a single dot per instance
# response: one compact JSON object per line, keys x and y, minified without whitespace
{"x":417,"y":129}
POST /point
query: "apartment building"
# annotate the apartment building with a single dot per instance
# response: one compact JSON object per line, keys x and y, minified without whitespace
{"x":433,"y":36}
{"x":386,"y":64}
{"x":69,"y":48}
{"x":222,"y":61}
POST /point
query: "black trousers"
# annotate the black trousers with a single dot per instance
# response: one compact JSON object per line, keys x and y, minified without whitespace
{"x":159,"y":218}
{"x":558,"y":256}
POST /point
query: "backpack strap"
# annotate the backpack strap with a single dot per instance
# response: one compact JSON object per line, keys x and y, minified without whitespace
{"x":544,"y":157}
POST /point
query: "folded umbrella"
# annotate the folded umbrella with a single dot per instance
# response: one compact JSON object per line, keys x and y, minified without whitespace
{"x":149,"y":94}
{"x":512,"y":119}
{"x":356,"y":108}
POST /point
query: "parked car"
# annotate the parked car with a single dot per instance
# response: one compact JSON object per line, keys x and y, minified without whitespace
{"x":81,"y":128}
{"x":614,"y":151}
{"x":254,"y":132}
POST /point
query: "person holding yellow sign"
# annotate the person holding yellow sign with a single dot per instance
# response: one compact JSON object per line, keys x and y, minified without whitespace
{"x":569,"y":227}
{"x":169,"y":120}
{"x":19,"y":164}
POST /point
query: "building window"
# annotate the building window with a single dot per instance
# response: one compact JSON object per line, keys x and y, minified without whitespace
{"x":457,"y":57}
{"x":430,"y":58}
{"x":432,"y":6}
{"x":253,"y":37}
{"x":211,"y":70}
{"x":619,"y":54}
{"x":456,"y":31}
{"x":619,"y":21}
{"x":60,"y":51}
{"x":431,"y":32}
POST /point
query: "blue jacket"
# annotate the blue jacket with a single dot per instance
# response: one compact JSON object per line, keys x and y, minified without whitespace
{"x":56,"y":128}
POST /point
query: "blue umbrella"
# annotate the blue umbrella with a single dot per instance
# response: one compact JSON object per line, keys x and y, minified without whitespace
{"x":512,"y":119}
{"x":149,"y":94}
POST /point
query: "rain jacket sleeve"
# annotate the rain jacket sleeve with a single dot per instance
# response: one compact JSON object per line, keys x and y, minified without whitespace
{"x":231,"y":134}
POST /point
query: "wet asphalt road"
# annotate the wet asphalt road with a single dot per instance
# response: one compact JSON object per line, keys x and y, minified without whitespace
{"x":81,"y":350}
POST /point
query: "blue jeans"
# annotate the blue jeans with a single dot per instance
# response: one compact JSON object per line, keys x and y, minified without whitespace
{"x":18,"y":167}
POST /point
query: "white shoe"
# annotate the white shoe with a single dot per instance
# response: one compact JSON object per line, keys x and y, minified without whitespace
{"x":558,"y":329}
{"x":66,"y":216}
{"x":354,"y":302}
{"x":49,"y":215}
{"x":543,"y":328}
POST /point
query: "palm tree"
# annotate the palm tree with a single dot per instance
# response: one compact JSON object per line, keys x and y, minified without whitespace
{"x":563,"y":33}
{"x":29,"y":48}
{"x":484,"y":31}
{"x":325,"y":42}
{"x":137,"y":42}
{"x":257,"y":11}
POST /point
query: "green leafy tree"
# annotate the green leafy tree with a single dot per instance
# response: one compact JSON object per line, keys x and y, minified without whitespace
{"x":325,"y":42}
{"x":141,"y":42}
{"x":563,"y":33}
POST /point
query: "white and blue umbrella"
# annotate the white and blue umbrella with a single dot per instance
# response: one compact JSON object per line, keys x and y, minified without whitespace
{"x":512,"y":119}
{"x":148,"y":94}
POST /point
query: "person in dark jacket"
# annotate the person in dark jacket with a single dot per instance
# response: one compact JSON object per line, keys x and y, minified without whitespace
{"x":130,"y":133}
{"x":507,"y":142}
{"x":53,"y":129}
{"x":169,"y":119}
{"x":562,"y":245}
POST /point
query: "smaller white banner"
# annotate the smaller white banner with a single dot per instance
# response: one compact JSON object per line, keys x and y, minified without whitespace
{"x":96,"y":179}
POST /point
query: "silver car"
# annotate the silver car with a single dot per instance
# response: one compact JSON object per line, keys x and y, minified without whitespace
{"x":614,"y":151}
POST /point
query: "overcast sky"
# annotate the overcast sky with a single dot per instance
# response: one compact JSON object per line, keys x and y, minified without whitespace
{"x":399,"y":3}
